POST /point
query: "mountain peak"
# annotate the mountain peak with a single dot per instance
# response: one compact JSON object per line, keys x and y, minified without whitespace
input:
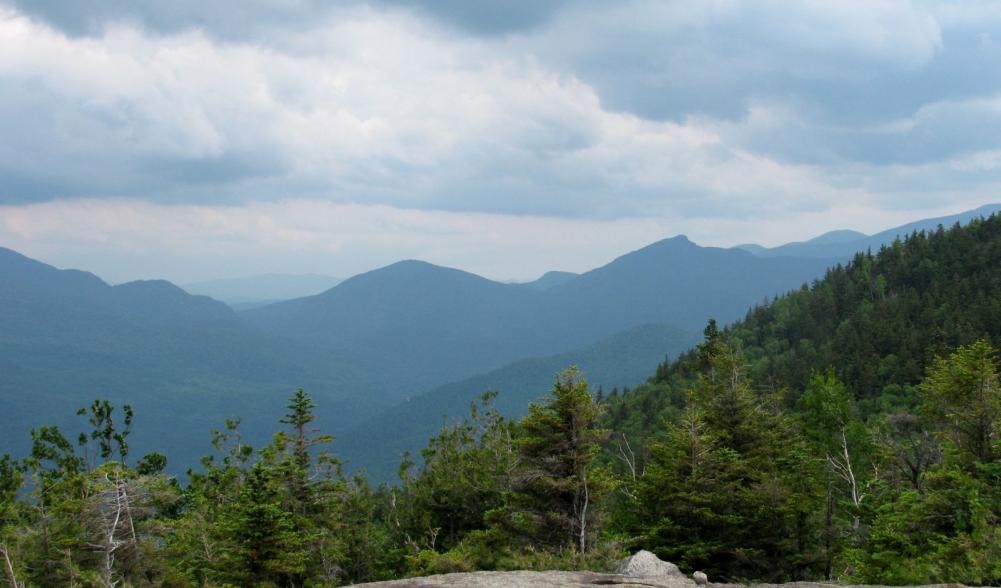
{"x":839,"y":236}
{"x":551,"y":279}
{"x":676,"y":243}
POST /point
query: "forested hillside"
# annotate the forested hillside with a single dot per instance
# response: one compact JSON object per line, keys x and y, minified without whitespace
{"x":878,"y":322}
{"x":376,"y":444}
{"x":848,"y":430}
{"x":363,"y":347}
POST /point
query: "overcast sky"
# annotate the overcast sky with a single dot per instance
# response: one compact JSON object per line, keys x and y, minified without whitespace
{"x":194,"y":139}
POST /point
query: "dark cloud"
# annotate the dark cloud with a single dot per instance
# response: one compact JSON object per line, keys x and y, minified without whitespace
{"x":226,"y":18}
{"x":530,"y":120}
{"x":487,"y":18}
{"x":260,"y":18}
{"x":846,"y":65}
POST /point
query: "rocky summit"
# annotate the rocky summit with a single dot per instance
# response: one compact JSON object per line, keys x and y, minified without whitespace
{"x":641,"y":569}
{"x":523,"y":579}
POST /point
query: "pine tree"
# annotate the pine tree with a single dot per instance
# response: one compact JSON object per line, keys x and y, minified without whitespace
{"x":962,"y":393}
{"x":264,"y":545}
{"x":557,"y":489}
{"x":730,"y":490}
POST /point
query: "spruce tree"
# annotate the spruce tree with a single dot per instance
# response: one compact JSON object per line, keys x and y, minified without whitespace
{"x":730,"y":489}
{"x":558,"y":490}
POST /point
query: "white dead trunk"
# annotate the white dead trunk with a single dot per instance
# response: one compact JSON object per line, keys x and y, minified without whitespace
{"x":9,"y":568}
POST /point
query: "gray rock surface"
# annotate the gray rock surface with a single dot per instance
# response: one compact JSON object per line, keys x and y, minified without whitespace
{"x":534,"y":580}
{"x":646,"y":564}
{"x":587,"y":580}
{"x":642,"y":569}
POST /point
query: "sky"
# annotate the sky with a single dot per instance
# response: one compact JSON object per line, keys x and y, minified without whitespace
{"x":192,"y":140}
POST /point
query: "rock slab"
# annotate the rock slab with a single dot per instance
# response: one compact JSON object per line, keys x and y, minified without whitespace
{"x":534,"y":580}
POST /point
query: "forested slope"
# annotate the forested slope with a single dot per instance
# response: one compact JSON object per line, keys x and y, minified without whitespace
{"x":376,"y":444}
{"x":878,"y":321}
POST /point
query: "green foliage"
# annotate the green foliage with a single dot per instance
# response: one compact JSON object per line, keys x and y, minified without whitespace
{"x":941,"y":524}
{"x":11,"y":480}
{"x":109,"y":438}
{"x":879,"y":321}
{"x":949,"y":533}
{"x":262,"y":542}
{"x":730,"y":488}
{"x":464,"y":474}
{"x":962,"y":394}
{"x":557,"y":489}
{"x":491,"y":550}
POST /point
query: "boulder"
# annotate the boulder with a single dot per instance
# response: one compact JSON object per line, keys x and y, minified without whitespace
{"x":647,"y":565}
{"x":700,"y":578}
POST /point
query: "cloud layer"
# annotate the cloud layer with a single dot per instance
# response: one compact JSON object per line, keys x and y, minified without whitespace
{"x":690,"y":114}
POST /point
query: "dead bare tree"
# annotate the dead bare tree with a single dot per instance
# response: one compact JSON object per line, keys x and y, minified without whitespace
{"x":842,"y":465}
{"x":9,"y":568}
{"x":113,"y":511}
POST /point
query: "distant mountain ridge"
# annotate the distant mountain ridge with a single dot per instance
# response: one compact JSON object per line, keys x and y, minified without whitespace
{"x":551,"y":279}
{"x":374,"y":319}
{"x":187,"y":362}
{"x":843,"y":244}
{"x":184,"y":362}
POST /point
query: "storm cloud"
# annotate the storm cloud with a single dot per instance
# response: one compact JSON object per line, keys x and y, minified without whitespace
{"x":689,"y":113}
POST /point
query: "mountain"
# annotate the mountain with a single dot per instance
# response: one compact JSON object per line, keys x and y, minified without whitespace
{"x":622,"y":360}
{"x":551,"y":279}
{"x":839,"y":236}
{"x":184,"y":362}
{"x":879,"y":322}
{"x":842,"y":245}
{"x":412,"y":324}
{"x":415,"y":326}
{"x":673,"y":281}
{"x":260,"y":290}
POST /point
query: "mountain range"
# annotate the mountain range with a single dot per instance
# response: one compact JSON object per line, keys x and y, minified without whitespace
{"x":393,"y":350}
{"x":418,"y":325}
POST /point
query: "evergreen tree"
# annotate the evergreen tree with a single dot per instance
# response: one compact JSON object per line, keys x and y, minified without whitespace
{"x":731,"y":489}
{"x":962,"y":393}
{"x":264,"y":545}
{"x":558,"y":490}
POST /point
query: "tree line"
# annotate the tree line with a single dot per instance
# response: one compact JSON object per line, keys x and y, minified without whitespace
{"x":735,"y":486}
